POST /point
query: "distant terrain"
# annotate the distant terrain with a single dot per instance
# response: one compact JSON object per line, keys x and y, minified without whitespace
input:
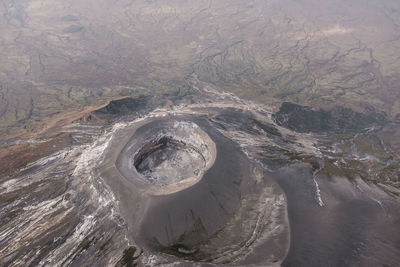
{"x":61,"y":56}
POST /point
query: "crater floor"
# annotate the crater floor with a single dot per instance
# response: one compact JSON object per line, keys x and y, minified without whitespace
{"x":167,"y":161}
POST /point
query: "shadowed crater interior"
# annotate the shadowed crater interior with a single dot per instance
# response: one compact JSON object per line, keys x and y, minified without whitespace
{"x":166,"y":160}
{"x":167,"y":157}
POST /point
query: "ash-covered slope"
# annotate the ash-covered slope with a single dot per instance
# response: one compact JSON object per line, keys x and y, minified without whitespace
{"x":267,"y":195}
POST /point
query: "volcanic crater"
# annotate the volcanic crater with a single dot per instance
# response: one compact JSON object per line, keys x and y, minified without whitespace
{"x":183,"y":187}
{"x":171,"y":159}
